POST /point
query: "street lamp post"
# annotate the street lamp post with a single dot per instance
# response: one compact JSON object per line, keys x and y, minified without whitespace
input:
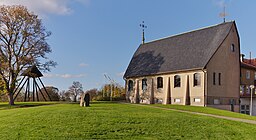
{"x":252,"y":87}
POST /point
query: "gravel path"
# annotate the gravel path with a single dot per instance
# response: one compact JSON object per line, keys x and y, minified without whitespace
{"x":203,"y":114}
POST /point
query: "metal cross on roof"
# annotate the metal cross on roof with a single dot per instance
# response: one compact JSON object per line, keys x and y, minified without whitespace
{"x":143,"y":26}
{"x":223,"y":14}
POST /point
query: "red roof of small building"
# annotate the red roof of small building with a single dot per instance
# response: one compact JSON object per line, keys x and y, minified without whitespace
{"x":248,"y":66}
{"x":250,"y":61}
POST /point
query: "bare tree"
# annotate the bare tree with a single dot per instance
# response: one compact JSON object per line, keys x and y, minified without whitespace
{"x":22,"y":44}
{"x":75,"y":90}
{"x":53,"y":92}
{"x":92,"y":92}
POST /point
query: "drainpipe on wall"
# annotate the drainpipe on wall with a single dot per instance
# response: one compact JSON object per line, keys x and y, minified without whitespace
{"x":126,"y":91}
{"x":205,"y":86}
{"x":152,"y":92}
{"x":137,"y":94}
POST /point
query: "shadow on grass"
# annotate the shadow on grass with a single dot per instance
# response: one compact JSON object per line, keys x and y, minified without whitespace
{"x":6,"y":106}
{"x":105,"y":102}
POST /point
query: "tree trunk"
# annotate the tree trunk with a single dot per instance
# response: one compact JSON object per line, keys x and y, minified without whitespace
{"x":75,"y":98}
{"x":11,"y":99}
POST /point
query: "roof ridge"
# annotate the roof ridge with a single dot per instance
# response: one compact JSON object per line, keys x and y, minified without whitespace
{"x":182,"y":33}
{"x":250,"y":65}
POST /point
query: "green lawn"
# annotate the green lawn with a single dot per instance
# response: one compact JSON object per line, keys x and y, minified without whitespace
{"x":114,"y":121}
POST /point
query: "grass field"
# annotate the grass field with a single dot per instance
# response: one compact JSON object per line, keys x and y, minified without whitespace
{"x":113,"y":121}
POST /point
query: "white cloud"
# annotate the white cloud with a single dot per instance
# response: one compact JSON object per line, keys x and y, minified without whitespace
{"x":222,"y":3}
{"x":44,"y":7}
{"x":83,"y":65}
{"x":65,"y":76}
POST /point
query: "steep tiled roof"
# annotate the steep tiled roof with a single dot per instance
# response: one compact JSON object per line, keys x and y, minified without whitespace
{"x":191,"y":50}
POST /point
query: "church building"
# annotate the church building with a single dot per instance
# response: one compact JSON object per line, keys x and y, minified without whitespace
{"x":199,"y":68}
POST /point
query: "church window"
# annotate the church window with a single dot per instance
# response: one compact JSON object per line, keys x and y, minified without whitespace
{"x":177,"y":81}
{"x":159,"y":82}
{"x":130,"y":85}
{"x":144,"y":84}
{"x":197,"y":79}
{"x":219,"y":78}
{"x":232,"y":47}
{"x":214,"y":80}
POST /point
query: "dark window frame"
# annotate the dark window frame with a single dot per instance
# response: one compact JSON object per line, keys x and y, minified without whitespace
{"x":214,"y":78}
{"x":159,"y":82}
{"x":197,"y":79}
{"x":130,"y":85}
{"x":144,"y":84}
{"x":219,"y":78}
{"x":177,"y":81}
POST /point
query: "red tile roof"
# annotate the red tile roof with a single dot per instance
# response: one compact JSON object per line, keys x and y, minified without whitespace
{"x":250,"y":61}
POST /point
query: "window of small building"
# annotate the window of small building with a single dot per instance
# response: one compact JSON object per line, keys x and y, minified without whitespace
{"x":232,"y":47}
{"x":247,"y":90}
{"x":242,"y":89}
{"x":177,"y":100}
{"x":177,"y":81}
{"x":130,"y":85}
{"x":245,"y":109}
{"x":197,"y":79}
{"x":144,"y":84}
{"x":219,"y":78}
{"x":248,"y":74}
{"x":254,"y":75}
{"x":159,"y":82}
{"x":214,"y":80}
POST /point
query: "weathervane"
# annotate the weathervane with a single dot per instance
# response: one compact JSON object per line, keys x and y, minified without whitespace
{"x":224,"y":14}
{"x":143,"y":26}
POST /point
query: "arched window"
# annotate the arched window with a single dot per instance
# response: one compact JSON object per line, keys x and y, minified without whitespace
{"x":159,"y":82}
{"x":232,"y":47}
{"x":130,"y":85}
{"x":197,"y":79}
{"x":144,"y":84}
{"x":177,"y":81}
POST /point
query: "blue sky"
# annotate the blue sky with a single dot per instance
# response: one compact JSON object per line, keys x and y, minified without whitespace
{"x":91,"y":38}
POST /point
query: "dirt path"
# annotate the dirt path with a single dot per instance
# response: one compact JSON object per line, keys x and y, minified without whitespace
{"x":203,"y":114}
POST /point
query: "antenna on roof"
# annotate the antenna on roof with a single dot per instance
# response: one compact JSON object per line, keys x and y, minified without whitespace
{"x":143,"y":26}
{"x":223,"y":14}
{"x":250,"y":61}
